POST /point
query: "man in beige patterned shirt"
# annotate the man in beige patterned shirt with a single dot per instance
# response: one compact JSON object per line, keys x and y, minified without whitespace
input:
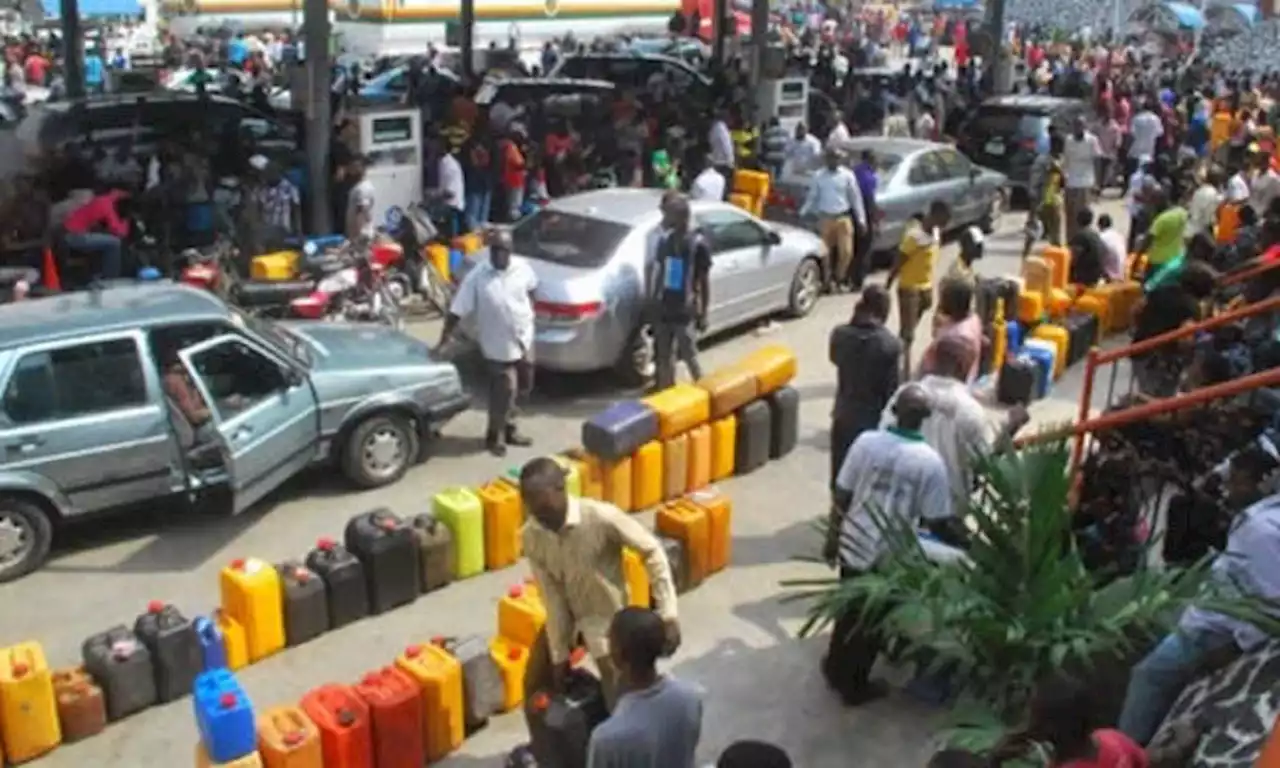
{"x":575,"y":548}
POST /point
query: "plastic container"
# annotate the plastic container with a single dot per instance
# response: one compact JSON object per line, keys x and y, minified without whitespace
{"x":1060,"y":339}
{"x":719,"y":511}
{"x":388,"y":549}
{"x":680,"y":407}
{"x":251,"y":760}
{"x":620,"y":429}
{"x":784,"y":421}
{"x":251,"y":596}
{"x":1059,"y":259}
{"x":1121,"y":300}
{"x":122,"y":666}
{"x":1042,"y":353}
{"x":482,"y":690}
{"x":436,"y":552}
{"x":82,"y":709}
{"x":460,"y":509}
{"x":29,"y":721}
{"x":224,"y":716}
{"x":1037,"y":274}
{"x":560,"y":725}
{"x":468,"y":243}
{"x":438,"y":255}
{"x":503,"y":516}
{"x":751,"y":183}
{"x":590,"y":484}
{"x":521,"y":615}
{"x":395,"y":711}
{"x":1094,"y":304}
{"x":728,"y":389}
{"x":687,"y":522}
{"x":724,"y":447}
{"x":1082,"y":335}
{"x":288,"y":739}
{"x":439,"y":677}
{"x":346,"y":592}
{"x":342,"y":718}
{"x":636,"y":578}
{"x":676,"y":559}
{"x":235,"y":645}
{"x":754,"y":438}
{"x":281,"y":265}
{"x":675,"y":466}
{"x":212,"y":651}
{"x":1059,"y":301}
{"x":646,"y":476}
{"x":306,"y":603}
{"x":774,"y":366}
{"x":1018,"y":382}
{"x":615,"y":480}
{"x":512,"y":660}
{"x":699,"y":461}
{"x":176,"y":657}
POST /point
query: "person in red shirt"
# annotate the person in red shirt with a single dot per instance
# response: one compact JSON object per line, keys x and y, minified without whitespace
{"x":513,"y":171}
{"x":36,"y":69}
{"x":97,"y":227}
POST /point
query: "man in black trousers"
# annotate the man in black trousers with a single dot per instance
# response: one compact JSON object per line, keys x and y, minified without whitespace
{"x":866,"y":355}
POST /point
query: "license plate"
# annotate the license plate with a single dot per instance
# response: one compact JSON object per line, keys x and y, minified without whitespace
{"x":994,"y":147}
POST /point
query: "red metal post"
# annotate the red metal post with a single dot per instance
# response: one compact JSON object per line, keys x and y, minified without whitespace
{"x":1086,"y":404}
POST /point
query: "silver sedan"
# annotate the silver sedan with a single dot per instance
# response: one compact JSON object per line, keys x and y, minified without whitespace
{"x":912,"y":174}
{"x":591,"y":251}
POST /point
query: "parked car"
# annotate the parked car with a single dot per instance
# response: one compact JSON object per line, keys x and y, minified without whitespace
{"x":912,"y":174}
{"x":590,"y":252}
{"x":87,"y":424}
{"x":1007,"y":131}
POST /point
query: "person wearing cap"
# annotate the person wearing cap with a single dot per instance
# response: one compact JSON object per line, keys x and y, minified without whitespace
{"x":835,"y":199}
{"x":498,"y":295}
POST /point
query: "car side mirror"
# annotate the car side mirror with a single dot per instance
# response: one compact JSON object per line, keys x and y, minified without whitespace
{"x":773,"y":237}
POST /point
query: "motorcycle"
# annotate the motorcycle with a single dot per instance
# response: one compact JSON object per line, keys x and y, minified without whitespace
{"x":357,"y":291}
{"x":414,"y":272}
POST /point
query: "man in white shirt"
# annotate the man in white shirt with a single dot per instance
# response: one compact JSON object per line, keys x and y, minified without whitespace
{"x":1202,"y":210}
{"x":1265,"y":186}
{"x":721,"y":143}
{"x":1238,"y":187}
{"x":1145,"y":130}
{"x":1080,"y":153}
{"x":707,"y":185}
{"x":361,"y":201}
{"x":839,"y":136}
{"x":497,"y":295}
{"x":453,"y":187}
{"x":803,"y":151}
{"x":834,"y":197}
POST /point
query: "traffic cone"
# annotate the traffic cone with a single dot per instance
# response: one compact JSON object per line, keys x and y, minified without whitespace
{"x":49,"y":274}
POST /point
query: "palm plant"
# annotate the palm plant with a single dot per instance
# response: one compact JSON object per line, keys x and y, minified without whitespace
{"x":1023,"y":605}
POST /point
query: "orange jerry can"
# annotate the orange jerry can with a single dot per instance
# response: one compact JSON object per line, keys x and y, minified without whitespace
{"x":82,"y":711}
{"x":1270,"y":757}
{"x":680,"y":407}
{"x":1228,"y":223}
{"x":719,"y":526}
{"x":342,"y":718}
{"x":251,"y":760}
{"x":439,"y":677}
{"x":699,"y":475}
{"x":1096,"y":305}
{"x":636,"y":578}
{"x":503,"y":516}
{"x":1059,"y":259}
{"x":729,"y":388}
{"x":588,"y":475}
{"x":615,"y":480}
{"x":688,"y":524}
{"x":251,"y":594}
{"x":1037,"y":274}
{"x":1030,"y":307}
{"x":675,"y":467}
{"x":1059,"y":302}
{"x":234,"y":642}
{"x":28,"y":707}
{"x":438,"y":256}
{"x":774,"y":366}
{"x":724,"y":446}
{"x":512,"y":660}
{"x":288,"y":739}
{"x":522,"y":614}
{"x":395,"y":712}
{"x":646,"y":476}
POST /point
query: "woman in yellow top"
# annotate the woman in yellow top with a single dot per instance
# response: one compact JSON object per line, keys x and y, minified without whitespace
{"x":914,"y":267}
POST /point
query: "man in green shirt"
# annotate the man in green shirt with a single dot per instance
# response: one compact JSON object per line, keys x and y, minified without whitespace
{"x":1165,"y":245}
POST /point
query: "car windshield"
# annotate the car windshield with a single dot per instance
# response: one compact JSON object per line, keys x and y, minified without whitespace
{"x":275,"y":335}
{"x":567,"y":238}
{"x":886,"y":164}
{"x":1007,"y":124}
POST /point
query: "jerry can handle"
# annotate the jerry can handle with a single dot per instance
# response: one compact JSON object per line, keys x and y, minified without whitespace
{"x":289,"y":720}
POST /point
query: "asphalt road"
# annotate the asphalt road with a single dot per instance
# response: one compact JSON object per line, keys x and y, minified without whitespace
{"x":739,"y":638}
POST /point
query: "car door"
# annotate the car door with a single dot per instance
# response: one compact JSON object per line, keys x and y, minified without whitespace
{"x":740,"y":282}
{"x":87,"y":417}
{"x":929,"y":183}
{"x":970,"y":201}
{"x":264,"y":410}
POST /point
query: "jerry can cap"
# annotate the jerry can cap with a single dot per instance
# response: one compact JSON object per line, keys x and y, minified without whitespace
{"x":227,"y":701}
{"x":293,"y":738}
{"x":387,"y":522}
{"x":438,"y":640}
{"x":346,"y":718}
{"x":514,"y":653}
{"x":155,"y":606}
{"x":238,"y":564}
{"x":302,"y":575}
{"x":413,"y":651}
{"x":20,"y":669}
{"x":369,"y":679}
{"x":516,"y":592}
{"x":541,"y":701}
{"x":325,"y":543}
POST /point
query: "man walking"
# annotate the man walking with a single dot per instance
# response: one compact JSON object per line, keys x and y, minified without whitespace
{"x":866,"y":356}
{"x":835,"y":199}
{"x":498,"y":294}
{"x":679,"y":292}
{"x":868,"y":180}
{"x":1080,"y":153}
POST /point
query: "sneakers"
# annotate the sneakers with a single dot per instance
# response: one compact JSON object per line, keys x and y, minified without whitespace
{"x":513,"y":437}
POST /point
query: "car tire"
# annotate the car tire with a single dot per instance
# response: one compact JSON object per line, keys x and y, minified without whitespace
{"x":636,"y":365}
{"x":26,"y":534}
{"x":995,"y":211}
{"x":379,"y":450}
{"x":806,"y":287}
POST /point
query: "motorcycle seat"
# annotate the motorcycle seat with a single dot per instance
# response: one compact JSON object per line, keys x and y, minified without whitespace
{"x":266,"y":294}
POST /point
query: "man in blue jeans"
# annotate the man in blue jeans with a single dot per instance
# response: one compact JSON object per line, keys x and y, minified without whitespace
{"x":1251,"y":561}
{"x":97,"y":227}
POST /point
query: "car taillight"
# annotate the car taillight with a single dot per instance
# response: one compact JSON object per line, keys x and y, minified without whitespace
{"x":1028,"y":144}
{"x":556,"y":311}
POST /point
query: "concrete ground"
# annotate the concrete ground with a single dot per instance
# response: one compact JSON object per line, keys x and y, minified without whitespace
{"x":739,"y":638}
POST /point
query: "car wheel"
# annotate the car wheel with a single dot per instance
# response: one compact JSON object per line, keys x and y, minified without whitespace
{"x":636,"y":367}
{"x":26,"y":533}
{"x":995,"y":210}
{"x":379,"y":450}
{"x":806,"y":286}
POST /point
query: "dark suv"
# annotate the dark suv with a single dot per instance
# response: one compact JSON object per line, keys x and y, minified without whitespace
{"x":1006,"y":131}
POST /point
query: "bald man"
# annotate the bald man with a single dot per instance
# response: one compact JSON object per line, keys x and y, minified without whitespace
{"x":889,"y":473}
